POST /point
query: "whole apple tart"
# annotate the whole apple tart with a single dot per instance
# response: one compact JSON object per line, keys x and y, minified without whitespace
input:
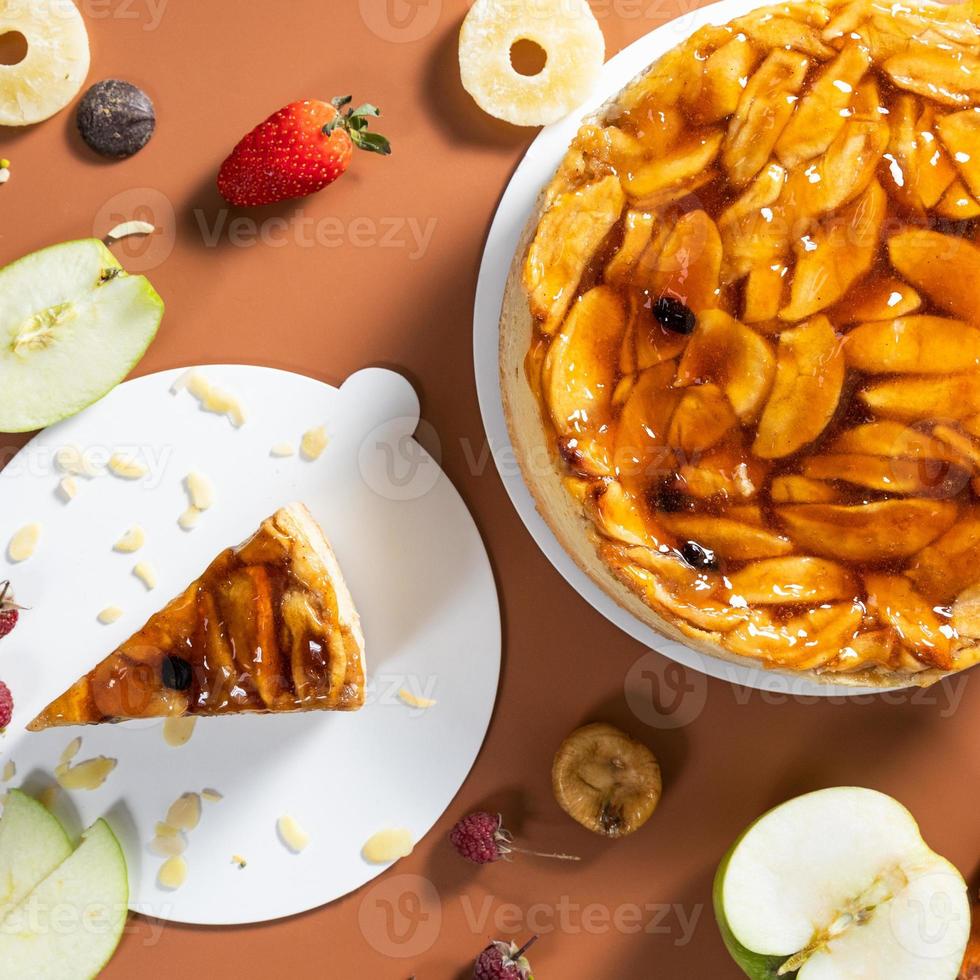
{"x":740,"y":347}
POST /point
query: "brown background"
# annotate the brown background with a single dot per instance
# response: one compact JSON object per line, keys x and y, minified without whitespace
{"x":634,"y":909}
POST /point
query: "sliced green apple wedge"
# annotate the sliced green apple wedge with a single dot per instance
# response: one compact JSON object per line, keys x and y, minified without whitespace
{"x":839,"y":884}
{"x":73,"y":323}
{"x":71,"y":924}
{"x":32,"y":845}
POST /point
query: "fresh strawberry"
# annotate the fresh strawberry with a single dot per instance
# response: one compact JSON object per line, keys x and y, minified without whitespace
{"x":298,"y":151}
{"x":9,"y":611}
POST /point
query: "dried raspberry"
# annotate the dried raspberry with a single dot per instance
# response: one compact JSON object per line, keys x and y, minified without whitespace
{"x":503,"y":961}
{"x":480,"y":838}
{"x":6,"y":705}
{"x":9,"y":611}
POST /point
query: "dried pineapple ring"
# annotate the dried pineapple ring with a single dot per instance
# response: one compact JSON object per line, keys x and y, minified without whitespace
{"x":568,"y":33}
{"x":56,"y":63}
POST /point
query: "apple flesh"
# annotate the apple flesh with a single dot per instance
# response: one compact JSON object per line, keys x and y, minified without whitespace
{"x":73,"y":323}
{"x":837,"y":885}
{"x":71,"y":923}
{"x":32,"y":844}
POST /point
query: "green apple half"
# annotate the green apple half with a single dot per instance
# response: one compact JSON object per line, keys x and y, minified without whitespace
{"x":69,"y":926}
{"x":839,"y":885}
{"x":32,"y":844}
{"x":73,"y":323}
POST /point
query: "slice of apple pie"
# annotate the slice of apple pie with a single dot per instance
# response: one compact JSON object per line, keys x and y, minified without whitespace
{"x":745,"y":322}
{"x":269,"y":627}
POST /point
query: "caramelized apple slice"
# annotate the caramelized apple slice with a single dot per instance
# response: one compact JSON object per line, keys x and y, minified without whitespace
{"x":753,"y":232}
{"x":763,"y":295}
{"x":898,"y":605}
{"x":945,"y":568}
{"x":652,"y":343}
{"x":936,"y":170}
{"x":732,"y":356}
{"x":847,"y":19}
{"x":895,"y":440}
{"x":804,"y":642}
{"x":809,"y":380}
{"x":638,"y":230}
{"x":879,"y":299}
{"x":793,"y":580}
{"x":930,"y":399}
{"x":641,"y":452}
{"x":943,"y":75}
{"x":878,"y":531}
{"x":791,"y":489}
{"x":723,"y":80}
{"x":914,"y":345}
{"x":722,"y":473}
{"x":919,"y":170}
{"x":702,"y":418}
{"x":912,"y":476}
{"x":656,"y":181}
{"x":763,"y":111}
{"x":579,"y":371}
{"x":966,"y":613}
{"x":867,"y":649}
{"x":569,"y":233}
{"x":772,"y":31}
{"x":819,"y":115}
{"x":690,"y":263}
{"x":958,"y":203}
{"x":959,"y":443}
{"x":960,"y":132}
{"x":837,"y":254}
{"x":618,"y":515}
{"x":728,"y":538}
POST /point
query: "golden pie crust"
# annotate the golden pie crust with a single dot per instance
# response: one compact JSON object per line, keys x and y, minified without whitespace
{"x":792,"y":484}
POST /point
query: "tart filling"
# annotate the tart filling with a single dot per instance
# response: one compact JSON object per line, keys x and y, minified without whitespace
{"x":756,"y":343}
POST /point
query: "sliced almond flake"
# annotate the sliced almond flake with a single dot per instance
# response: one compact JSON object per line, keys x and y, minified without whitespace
{"x":71,"y":750}
{"x":169,"y":845}
{"x":388,"y":845}
{"x":282,"y":449}
{"x":212,"y":795}
{"x":189,"y":519}
{"x":200,"y":490}
{"x":146,"y":573}
{"x":185,"y":812}
{"x":90,"y":774}
{"x":239,"y":860}
{"x":128,"y":228}
{"x":172,"y":873}
{"x":4,"y":174}
{"x":291,"y":834}
{"x":110,"y":615}
{"x":313,"y":443}
{"x":414,"y":701}
{"x":24,"y":543}
{"x":212,"y":399}
{"x":131,"y":541}
{"x":9,"y":770}
{"x":126,"y":468}
{"x":47,"y":796}
{"x":71,"y":460}
{"x":178,"y":731}
{"x":68,"y":488}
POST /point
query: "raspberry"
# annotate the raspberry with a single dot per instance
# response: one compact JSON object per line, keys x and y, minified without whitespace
{"x":503,"y":961}
{"x":9,"y":611}
{"x":6,"y":705}
{"x":480,"y":838}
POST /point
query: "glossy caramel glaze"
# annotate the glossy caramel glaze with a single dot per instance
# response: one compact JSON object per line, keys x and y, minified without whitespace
{"x":261,"y":630}
{"x":796,"y":478}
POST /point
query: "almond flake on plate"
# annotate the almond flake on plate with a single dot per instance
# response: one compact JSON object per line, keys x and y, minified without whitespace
{"x":71,"y":750}
{"x":189,"y":519}
{"x":110,"y":615}
{"x":172,"y":873}
{"x":128,"y":228}
{"x":239,"y":860}
{"x":313,"y":443}
{"x":24,"y":543}
{"x":414,"y":701}
{"x":9,"y":770}
{"x":177,"y":731}
{"x":131,"y":541}
{"x":90,"y":774}
{"x":200,"y":490}
{"x":282,"y":449}
{"x":212,"y":795}
{"x":126,"y":468}
{"x":71,"y":460}
{"x":168,"y":845}
{"x":291,"y":834}
{"x":185,"y":812}
{"x":388,"y":845}
{"x":145,"y":572}
{"x":68,"y":488}
{"x":212,"y":399}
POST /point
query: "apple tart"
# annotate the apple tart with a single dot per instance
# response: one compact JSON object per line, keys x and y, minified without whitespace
{"x":740,"y":344}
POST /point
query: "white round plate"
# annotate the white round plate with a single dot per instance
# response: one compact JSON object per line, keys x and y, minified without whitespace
{"x":517,"y":204}
{"x":417,"y":569}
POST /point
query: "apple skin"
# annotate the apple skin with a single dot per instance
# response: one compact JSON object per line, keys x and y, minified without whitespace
{"x":757,"y":966}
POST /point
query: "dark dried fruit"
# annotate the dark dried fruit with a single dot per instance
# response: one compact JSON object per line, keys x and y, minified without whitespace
{"x":697,"y":556}
{"x":116,"y":118}
{"x":674,"y":315}
{"x":176,"y":673}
